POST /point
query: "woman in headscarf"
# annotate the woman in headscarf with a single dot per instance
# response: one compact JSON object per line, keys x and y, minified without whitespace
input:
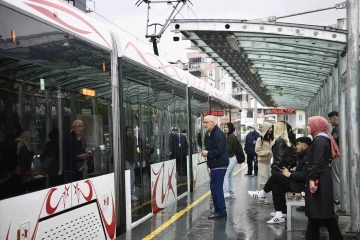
{"x":229,"y":186}
{"x":263,"y":151}
{"x":319,"y":191}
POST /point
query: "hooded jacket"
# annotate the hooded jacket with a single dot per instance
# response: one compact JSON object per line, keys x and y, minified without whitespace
{"x":249,"y":142}
{"x":263,"y":147}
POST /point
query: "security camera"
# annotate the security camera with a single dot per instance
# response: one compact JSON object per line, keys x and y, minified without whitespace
{"x":176,"y":38}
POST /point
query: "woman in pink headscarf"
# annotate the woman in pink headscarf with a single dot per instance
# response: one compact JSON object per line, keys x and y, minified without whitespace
{"x":319,"y":191}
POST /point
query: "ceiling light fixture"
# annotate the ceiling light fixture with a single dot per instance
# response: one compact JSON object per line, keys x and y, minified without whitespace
{"x":234,"y":44}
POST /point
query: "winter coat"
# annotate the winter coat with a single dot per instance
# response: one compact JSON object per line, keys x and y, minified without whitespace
{"x":249,"y":142}
{"x":283,"y":155}
{"x":298,"y":177}
{"x":217,"y":156}
{"x":231,"y":145}
{"x":321,"y":204}
{"x":263,"y":147}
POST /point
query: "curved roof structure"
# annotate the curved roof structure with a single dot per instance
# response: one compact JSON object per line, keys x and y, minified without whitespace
{"x":280,"y":64}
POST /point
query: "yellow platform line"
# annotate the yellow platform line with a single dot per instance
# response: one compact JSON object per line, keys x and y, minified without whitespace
{"x":175,"y":217}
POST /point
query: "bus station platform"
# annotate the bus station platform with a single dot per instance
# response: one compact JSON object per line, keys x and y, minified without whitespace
{"x":187,"y":219}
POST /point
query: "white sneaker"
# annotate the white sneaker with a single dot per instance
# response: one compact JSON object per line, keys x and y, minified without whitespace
{"x":134,"y":198}
{"x":276,"y":220}
{"x":255,"y":194}
{"x":273,"y":214}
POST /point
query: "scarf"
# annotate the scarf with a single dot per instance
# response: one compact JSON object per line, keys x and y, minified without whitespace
{"x":319,"y":126}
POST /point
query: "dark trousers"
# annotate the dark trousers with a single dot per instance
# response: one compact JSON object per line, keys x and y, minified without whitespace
{"x":217,"y":192}
{"x":279,"y":185}
{"x":313,"y":229}
{"x":252,"y":159}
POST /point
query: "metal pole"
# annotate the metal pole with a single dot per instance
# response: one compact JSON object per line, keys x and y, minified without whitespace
{"x":209,"y":100}
{"x":48,"y":113}
{"x":353,"y":112}
{"x":190,"y":137}
{"x":344,"y":160}
{"x":255,"y":115}
{"x":229,"y":113}
{"x":329,"y":93}
{"x":335,"y":86}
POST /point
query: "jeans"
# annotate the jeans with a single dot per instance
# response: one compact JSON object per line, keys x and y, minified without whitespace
{"x":217,"y":192}
{"x":229,"y":185}
{"x":251,"y":159}
{"x":335,"y":171}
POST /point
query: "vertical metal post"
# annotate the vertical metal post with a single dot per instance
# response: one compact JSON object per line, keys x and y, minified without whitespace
{"x":330,"y":96}
{"x":190,"y":137}
{"x":48,"y":111}
{"x":229,"y":113}
{"x":335,"y":86}
{"x":73,"y":106}
{"x":60,"y":127}
{"x":21,"y":100}
{"x":255,"y":115}
{"x":344,"y":160}
{"x":209,"y":100}
{"x":353,"y":111}
{"x":96,"y":129}
{"x":119,"y":163}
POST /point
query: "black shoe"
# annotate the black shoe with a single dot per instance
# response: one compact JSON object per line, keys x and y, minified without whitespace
{"x":217,"y":216}
{"x":248,"y":174}
{"x":255,"y":174}
{"x":301,"y":209}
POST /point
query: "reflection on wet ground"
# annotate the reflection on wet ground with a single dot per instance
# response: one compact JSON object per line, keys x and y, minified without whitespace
{"x":246,"y":219}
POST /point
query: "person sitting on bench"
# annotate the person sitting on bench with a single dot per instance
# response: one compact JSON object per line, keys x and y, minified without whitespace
{"x":285,"y":181}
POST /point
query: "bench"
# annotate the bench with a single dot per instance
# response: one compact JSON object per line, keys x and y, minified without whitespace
{"x":293,"y":199}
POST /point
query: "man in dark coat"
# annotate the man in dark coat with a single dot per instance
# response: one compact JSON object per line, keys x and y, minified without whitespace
{"x":75,"y":156}
{"x":218,"y":161}
{"x":335,"y":162}
{"x":250,"y":142}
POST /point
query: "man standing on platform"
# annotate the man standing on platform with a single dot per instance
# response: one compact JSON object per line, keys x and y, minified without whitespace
{"x":335,"y":168}
{"x":218,"y":161}
{"x":251,"y":156}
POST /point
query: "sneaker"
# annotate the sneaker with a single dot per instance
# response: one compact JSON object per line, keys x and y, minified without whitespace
{"x":264,"y":201}
{"x":276,"y":220}
{"x":273,"y":214}
{"x":134,"y":198}
{"x":255,"y":194}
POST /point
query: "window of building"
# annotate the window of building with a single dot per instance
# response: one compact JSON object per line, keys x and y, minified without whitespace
{"x":211,"y":73}
{"x":301,"y":117}
{"x":259,"y":111}
{"x":250,"y":113}
{"x":246,"y":97}
{"x":222,"y":86}
{"x":286,"y":117}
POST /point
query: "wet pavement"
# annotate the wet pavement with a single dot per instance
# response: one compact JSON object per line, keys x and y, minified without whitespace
{"x":246,"y":219}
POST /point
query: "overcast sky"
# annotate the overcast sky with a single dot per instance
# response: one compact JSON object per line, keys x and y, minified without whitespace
{"x":133,"y":19}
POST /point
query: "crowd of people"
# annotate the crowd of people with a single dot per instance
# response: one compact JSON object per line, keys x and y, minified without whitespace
{"x":282,"y":163}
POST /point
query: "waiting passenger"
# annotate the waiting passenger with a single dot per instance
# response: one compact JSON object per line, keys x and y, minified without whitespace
{"x":217,"y":161}
{"x":284,"y":152}
{"x":50,"y":159}
{"x":319,"y":200}
{"x":129,"y":153}
{"x":286,"y":181}
{"x":250,"y":142}
{"x":181,"y":153}
{"x":75,"y":156}
{"x":335,"y":162}
{"x":229,"y":185}
{"x":25,"y":155}
{"x":264,"y":153}
{"x":291,"y":134}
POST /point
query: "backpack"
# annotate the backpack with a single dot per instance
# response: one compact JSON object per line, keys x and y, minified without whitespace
{"x":239,"y":153}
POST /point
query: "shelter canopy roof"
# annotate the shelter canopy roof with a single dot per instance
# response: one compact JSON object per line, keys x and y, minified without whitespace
{"x":280,"y":64}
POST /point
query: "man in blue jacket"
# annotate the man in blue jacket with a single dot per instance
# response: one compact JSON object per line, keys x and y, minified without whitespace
{"x":218,"y":161}
{"x":250,"y":151}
